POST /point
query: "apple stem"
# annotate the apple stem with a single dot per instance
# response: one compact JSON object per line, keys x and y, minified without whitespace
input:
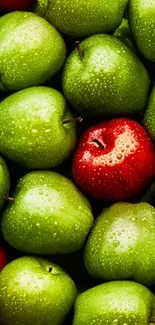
{"x":99,"y":143}
{"x":73,"y":120}
{"x":10,"y":199}
{"x":50,"y":268}
{"x":79,"y":49}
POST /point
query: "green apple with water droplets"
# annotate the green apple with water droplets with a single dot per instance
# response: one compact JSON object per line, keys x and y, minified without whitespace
{"x":41,"y":7}
{"x":33,"y":129}
{"x":142,"y":24}
{"x":82,"y":18}
{"x":35,"y":291}
{"x":149,"y":195}
{"x":121,"y":244}
{"x":31,"y":51}
{"x":123,"y":33}
{"x":149,"y":115}
{"x":48,"y":215}
{"x":103,"y":77}
{"x":115,"y":303}
{"x":4,"y":181}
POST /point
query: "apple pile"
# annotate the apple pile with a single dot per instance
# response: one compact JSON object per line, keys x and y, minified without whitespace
{"x":77,"y":162}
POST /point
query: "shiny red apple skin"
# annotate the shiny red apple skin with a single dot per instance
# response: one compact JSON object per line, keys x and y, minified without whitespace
{"x":119,"y":164}
{"x":3,"y":258}
{"x":10,"y":5}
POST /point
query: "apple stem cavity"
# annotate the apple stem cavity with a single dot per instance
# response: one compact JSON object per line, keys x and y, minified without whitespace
{"x":10,"y":199}
{"x":99,"y":143}
{"x":73,"y":120}
{"x":50,"y":268}
{"x":79,"y":49}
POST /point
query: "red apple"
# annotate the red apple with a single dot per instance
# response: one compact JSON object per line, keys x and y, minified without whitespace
{"x":114,"y":160}
{"x":3,"y":258}
{"x":10,"y":5}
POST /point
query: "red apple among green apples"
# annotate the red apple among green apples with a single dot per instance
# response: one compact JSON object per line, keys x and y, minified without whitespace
{"x":114,"y":160}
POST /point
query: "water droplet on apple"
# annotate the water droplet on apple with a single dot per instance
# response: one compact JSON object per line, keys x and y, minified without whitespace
{"x":47,"y":130}
{"x":133,"y":219}
{"x":119,"y":156}
{"x":114,"y":322}
{"x":116,"y":243}
{"x":77,"y":226}
{"x":16,"y":283}
{"x":34,"y":131}
{"x":38,"y":225}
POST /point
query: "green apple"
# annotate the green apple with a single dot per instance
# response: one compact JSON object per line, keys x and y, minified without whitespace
{"x":149,"y":195}
{"x":41,"y":7}
{"x":115,"y":303}
{"x":49,"y":215}
{"x":4,"y":181}
{"x":33,"y":129}
{"x":149,"y":115}
{"x":123,"y":33}
{"x":35,"y":291}
{"x":82,"y":18}
{"x":103,"y":77}
{"x":142,"y":24}
{"x":121,"y":244}
{"x":31,"y":51}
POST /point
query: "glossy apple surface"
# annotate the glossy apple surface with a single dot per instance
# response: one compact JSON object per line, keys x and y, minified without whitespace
{"x":114,"y":160}
{"x":3,"y":258}
{"x":35,"y":291}
{"x":9,"y":5}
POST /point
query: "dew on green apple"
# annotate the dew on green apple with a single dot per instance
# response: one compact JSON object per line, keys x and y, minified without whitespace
{"x":116,"y":243}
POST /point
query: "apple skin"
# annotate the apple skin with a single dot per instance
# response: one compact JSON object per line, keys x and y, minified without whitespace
{"x":4,"y":181}
{"x":149,"y":115}
{"x":41,"y":7}
{"x":9,"y":5}
{"x":32,"y":130}
{"x":31,"y":51}
{"x":32,"y":294}
{"x":78,"y":19}
{"x":121,"y":244}
{"x":115,"y":303}
{"x":121,"y":167}
{"x":48,"y":215}
{"x":141,"y":17}
{"x":3,"y":258}
{"x":102,"y":77}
